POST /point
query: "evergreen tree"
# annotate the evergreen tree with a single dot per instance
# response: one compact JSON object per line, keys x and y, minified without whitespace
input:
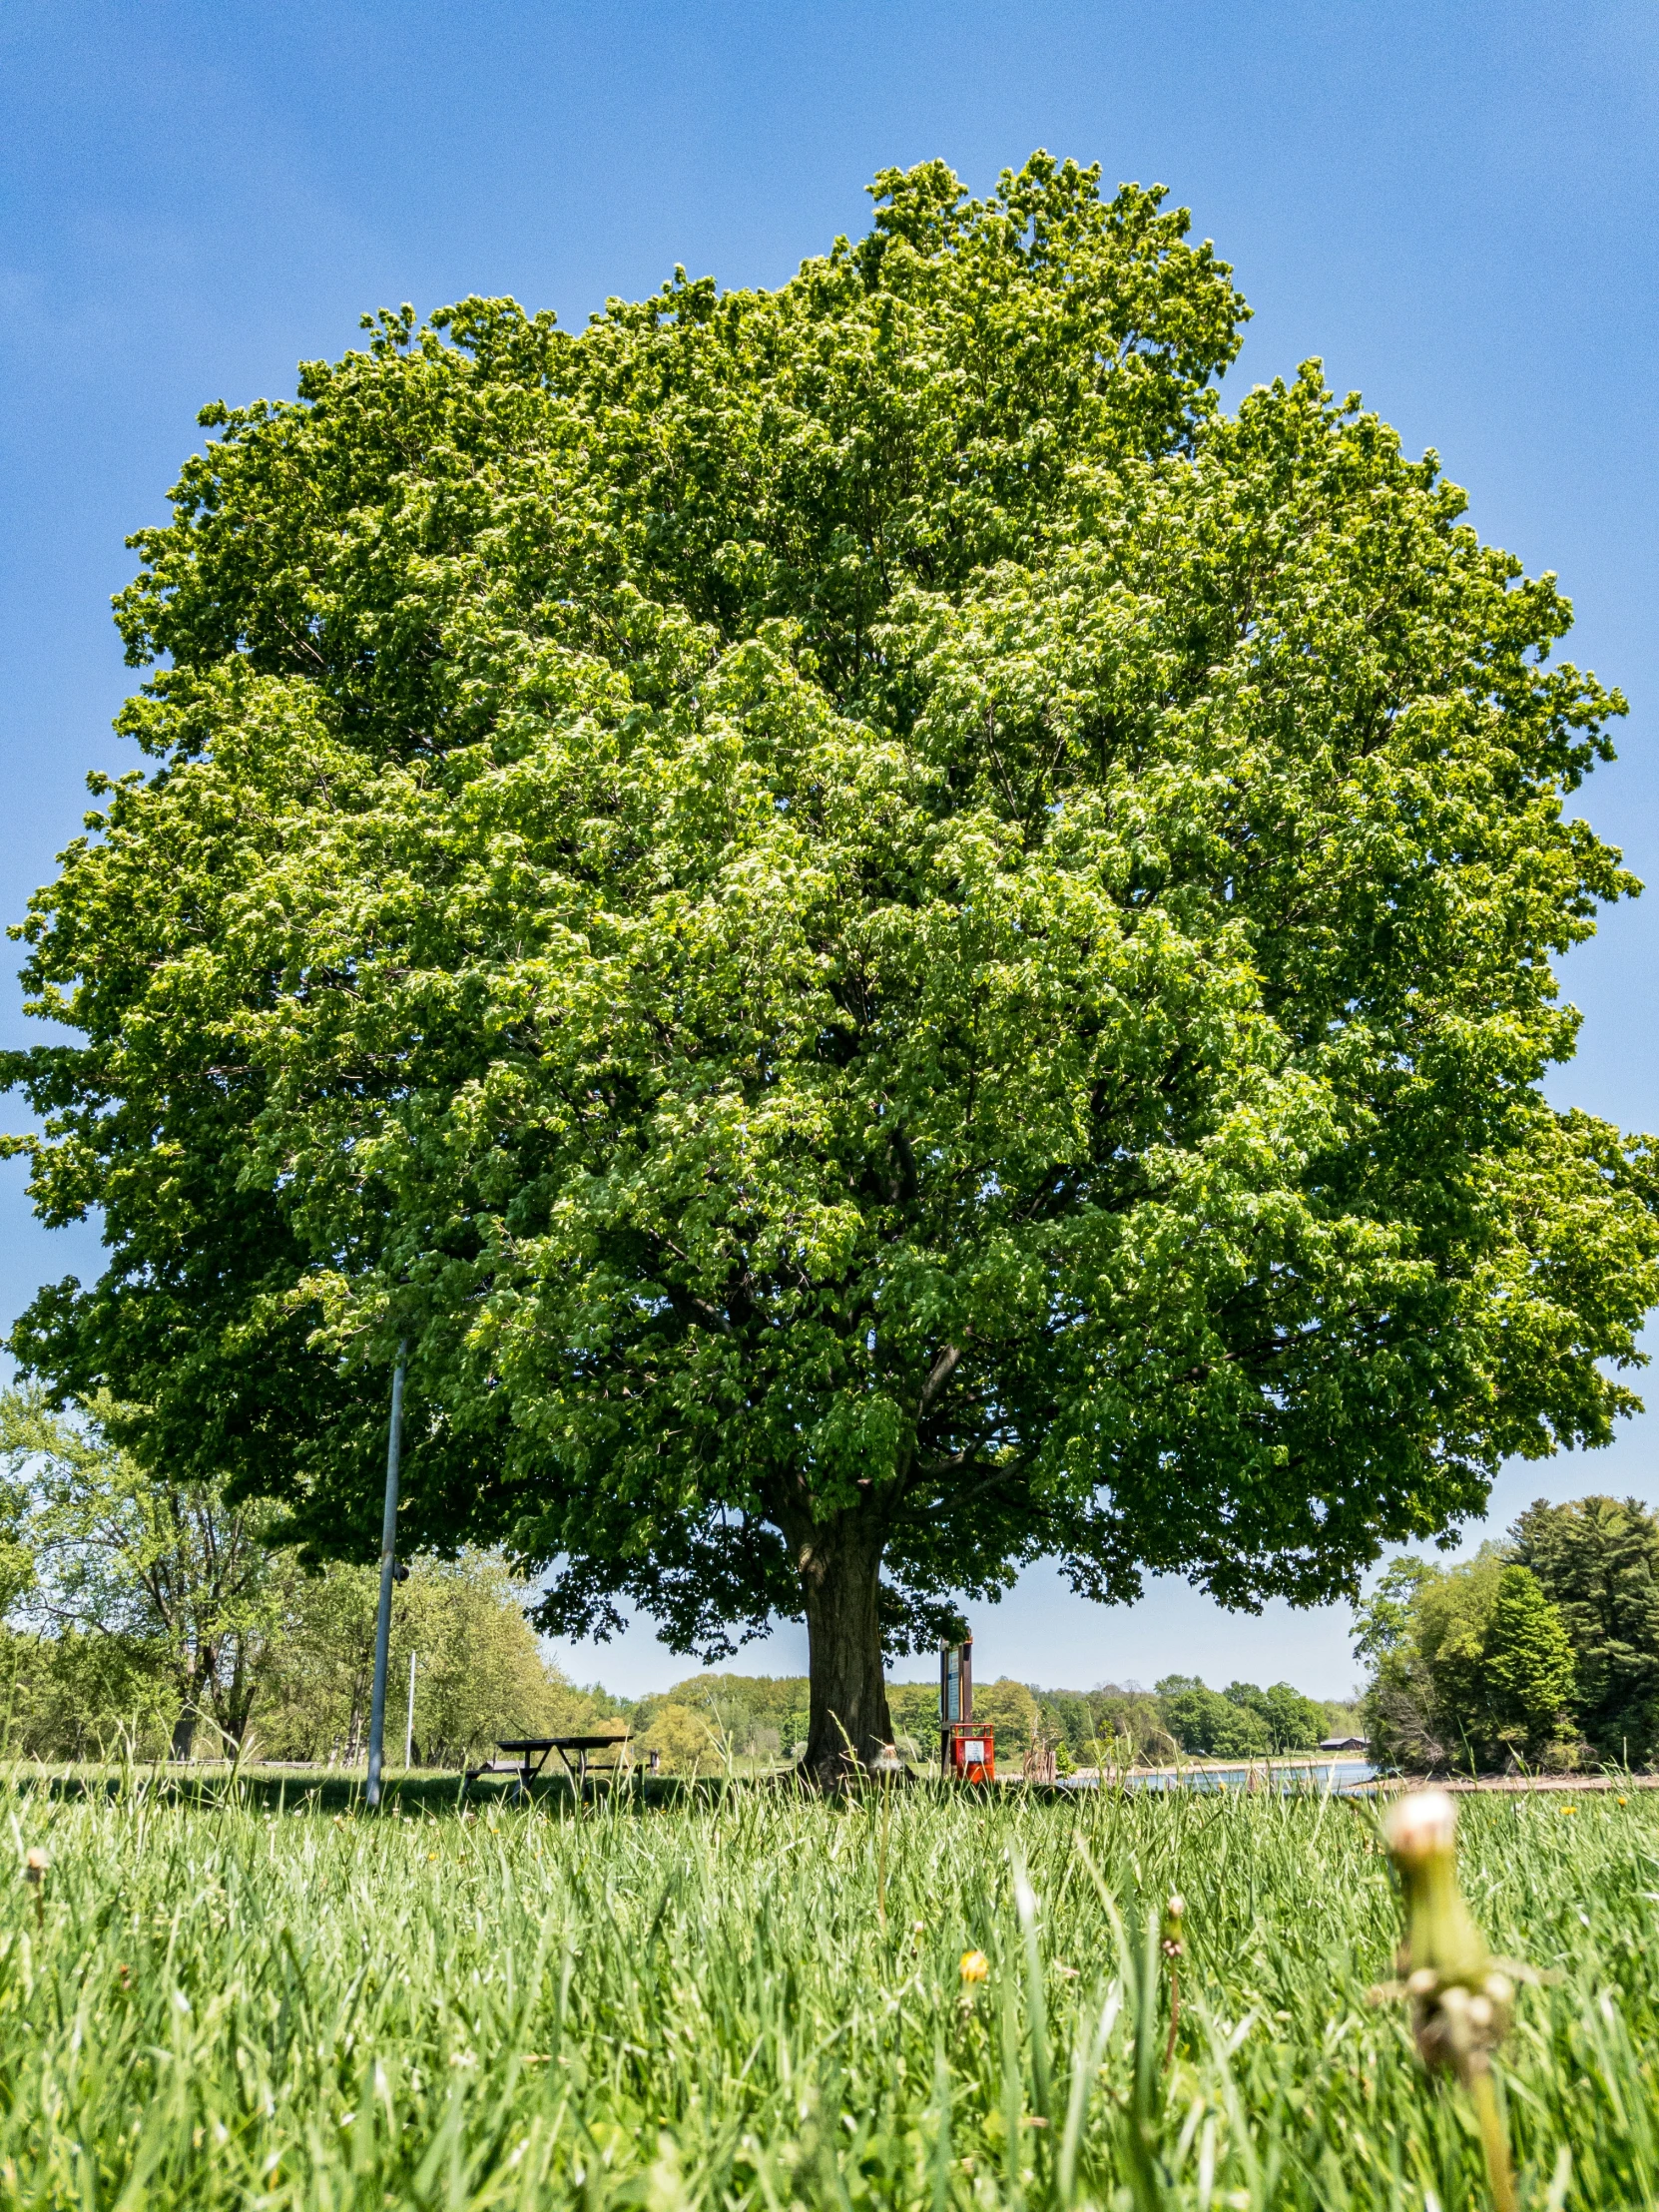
{"x":1469,"y":1663}
{"x":1597,"y":1560}
{"x":1527,"y":1673}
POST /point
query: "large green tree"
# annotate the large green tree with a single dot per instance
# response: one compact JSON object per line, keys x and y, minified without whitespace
{"x":892,"y":944}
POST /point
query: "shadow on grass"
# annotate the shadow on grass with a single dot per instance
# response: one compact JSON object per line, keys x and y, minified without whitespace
{"x":287,"y":1790}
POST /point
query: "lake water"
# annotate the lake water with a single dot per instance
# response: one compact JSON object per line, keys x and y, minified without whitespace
{"x":1337,"y":1779}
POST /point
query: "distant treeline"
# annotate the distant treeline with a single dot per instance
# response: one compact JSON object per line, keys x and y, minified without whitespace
{"x":758,"y":1717}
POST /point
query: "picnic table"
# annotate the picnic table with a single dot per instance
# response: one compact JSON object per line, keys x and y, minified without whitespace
{"x":531,"y":1754}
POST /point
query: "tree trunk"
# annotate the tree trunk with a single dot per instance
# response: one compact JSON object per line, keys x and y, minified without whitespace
{"x":183,"y":1728}
{"x":847,"y":1724}
{"x":234,"y":1701}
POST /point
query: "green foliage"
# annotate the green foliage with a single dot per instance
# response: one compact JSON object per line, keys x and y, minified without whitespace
{"x":142,"y":1605}
{"x":739,"y":1715}
{"x":479,"y":1672}
{"x":1470,"y":1664}
{"x":1241,"y":1722}
{"x":179,"y":1579}
{"x":684,"y":1738}
{"x":1124,"y":1726}
{"x":80,"y":1693}
{"x":1597,"y":1560}
{"x":703,"y":2008}
{"x":871,"y":925}
{"x":1293,"y":1722}
{"x":1009,"y":1708}
{"x":915,"y":1710}
{"x":736,"y":1717}
{"x":1529,"y":1662}
{"x":1209,"y":1725}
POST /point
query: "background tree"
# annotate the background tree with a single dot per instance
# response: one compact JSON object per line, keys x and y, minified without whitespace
{"x":1126,"y":1725}
{"x":179,"y":1578}
{"x":685,"y":1738}
{"x":17,"y":1567}
{"x":479,"y":1671}
{"x":896,"y":945}
{"x":1529,"y":1662}
{"x":1597,"y":1562}
{"x":1009,"y":1708}
{"x":913,"y":1709}
{"x":78,"y":1694}
{"x":1426,"y":1705}
{"x":1293,"y":1722}
{"x":1470,"y":1664}
{"x":1209,"y":1725}
{"x":754,"y":1717}
{"x":141,"y":1607}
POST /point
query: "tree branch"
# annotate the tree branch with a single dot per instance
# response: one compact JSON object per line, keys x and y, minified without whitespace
{"x":938,"y":1375}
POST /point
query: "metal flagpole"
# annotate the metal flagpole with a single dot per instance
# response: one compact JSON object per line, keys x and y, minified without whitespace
{"x":388,"y":1561}
{"x":408,"y":1733}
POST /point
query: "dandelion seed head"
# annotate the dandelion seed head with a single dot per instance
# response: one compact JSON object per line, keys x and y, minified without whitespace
{"x":1420,"y":1827}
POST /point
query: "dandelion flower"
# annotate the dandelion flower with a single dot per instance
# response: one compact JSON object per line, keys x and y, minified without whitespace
{"x":34,"y":1866}
{"x":975,"y":1965}
{"x":1460,"y":2002}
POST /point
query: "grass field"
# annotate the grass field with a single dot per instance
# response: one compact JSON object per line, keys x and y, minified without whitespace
{"x":756,"y":2000}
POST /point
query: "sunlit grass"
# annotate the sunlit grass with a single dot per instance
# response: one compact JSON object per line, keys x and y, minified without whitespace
{"x":701,"y":2004}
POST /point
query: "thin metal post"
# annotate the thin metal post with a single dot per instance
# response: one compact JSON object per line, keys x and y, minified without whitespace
{"x":956,"y":1697}
{"x":388,"y":1561}
{"x":408,"y":1733}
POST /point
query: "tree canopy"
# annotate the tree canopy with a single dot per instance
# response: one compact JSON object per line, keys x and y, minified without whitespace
{"x":895,"y":945}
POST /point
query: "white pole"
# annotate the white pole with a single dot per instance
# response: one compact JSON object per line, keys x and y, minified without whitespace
{"x":389,"y":1560}
{"x":408,"y":1733}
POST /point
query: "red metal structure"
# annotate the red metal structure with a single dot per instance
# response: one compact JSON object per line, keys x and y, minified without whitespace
{"x":972,"y":1755}
{"x":966,"y":1751}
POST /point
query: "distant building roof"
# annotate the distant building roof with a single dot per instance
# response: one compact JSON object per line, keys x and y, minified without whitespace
{"x":1344,"y":1743}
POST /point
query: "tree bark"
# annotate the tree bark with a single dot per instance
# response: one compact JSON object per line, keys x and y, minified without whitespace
{"x":236,"y":1700}
{"x":848,"y":1723}
{"x":183,"y":1728}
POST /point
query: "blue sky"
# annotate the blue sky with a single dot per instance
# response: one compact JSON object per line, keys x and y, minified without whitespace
{"x":1453,"y":205}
